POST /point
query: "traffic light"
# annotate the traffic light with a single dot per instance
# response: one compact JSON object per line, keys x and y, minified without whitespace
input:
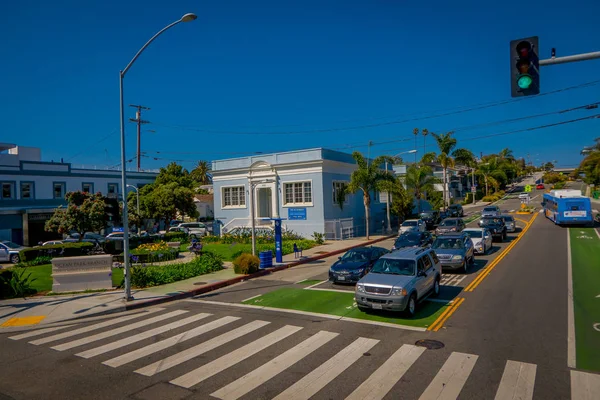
{"x":524,"y":67}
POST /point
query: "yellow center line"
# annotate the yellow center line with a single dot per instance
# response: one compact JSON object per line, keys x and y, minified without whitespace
{"x":453,"y":304}
{"x":522,"y":220}
{"x":487,"y":270}
{"x":444,"y":317}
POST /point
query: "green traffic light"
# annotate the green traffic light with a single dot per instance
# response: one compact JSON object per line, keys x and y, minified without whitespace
{"x":524,"y":81}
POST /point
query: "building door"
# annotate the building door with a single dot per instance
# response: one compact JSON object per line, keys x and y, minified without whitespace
{"x":264,"y":204}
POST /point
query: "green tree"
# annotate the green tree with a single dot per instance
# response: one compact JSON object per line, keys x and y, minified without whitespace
{"x":419,"y":181}
{"x":446,"y":143}
{"x":428,"y":158}
{"x":491,"y":172}
{"x":201,"y":173}
{"x":401,"y":204}
{"x":85,"y":212}
{"x":367,"y":178}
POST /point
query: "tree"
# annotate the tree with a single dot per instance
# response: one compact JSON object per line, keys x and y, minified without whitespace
{"x":506,"y":154}
{"x":401,"y":204}
{"x":445,"y":143}
{"x":465,"y":157}
{"x":201,"y":174}
{"x":419,"y":181}
{"x":491,"y":173}
{"x":428,"y":158}
{"x":85,"y":212}
{"x":367,"y":178}
{"x":590,"y":167}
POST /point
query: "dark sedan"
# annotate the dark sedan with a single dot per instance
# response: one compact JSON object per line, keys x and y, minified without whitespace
{"x":431,"y":218}
{"x":413,"y":239}
{"x":355,"y":264}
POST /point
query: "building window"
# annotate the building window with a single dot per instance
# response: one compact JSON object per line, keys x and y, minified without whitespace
{"x":8,"y":190}
{"x":298,"y":193}
{"x":87,"y":187}
{"x":27,"y":190}
{"x":113,"y":188}
{"x":59,"y":190}
{"x":338,"y":192}
{"x":234,"y":196}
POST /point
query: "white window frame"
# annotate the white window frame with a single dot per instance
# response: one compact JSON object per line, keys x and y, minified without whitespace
{"x":334,"y":190}
{"x":242,"y":187}
{"x":303,"y":203}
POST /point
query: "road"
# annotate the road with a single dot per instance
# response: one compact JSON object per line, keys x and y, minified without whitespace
{"x":504,"y":336}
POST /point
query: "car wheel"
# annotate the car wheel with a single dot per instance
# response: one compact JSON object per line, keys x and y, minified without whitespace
{"x":436,"y":287}
{"x":465,"y":266}
{"x":15,"y":259}
{"x":411,"y":306}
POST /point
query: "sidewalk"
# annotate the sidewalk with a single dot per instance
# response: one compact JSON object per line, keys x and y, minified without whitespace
{"x":45,"y":310}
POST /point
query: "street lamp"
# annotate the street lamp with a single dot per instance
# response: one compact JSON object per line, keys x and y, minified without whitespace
{"x":387,"y":205}
{"x":137,"y":194}
{"x":186,"y":18}
{"x":253,"y":222}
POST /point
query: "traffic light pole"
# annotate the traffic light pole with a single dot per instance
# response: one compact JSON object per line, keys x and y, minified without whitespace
{"x":567,"y":59}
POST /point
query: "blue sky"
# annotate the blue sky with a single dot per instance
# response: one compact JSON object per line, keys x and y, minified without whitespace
{"x":288,"y":66}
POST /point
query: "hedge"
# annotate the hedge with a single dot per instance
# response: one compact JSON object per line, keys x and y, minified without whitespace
{"x":56,"y":250}
{"x":287,"y":247}
{"x":154,"y":275}
{"x":149,"y":257}
{"x":246,"y":264}
{"x":175,"y":236}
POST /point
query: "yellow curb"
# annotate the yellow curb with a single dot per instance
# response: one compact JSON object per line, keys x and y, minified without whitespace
{"x":23,"y":321}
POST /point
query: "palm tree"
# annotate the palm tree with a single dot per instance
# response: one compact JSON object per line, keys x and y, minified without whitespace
{"x":419,"y":181}
{"x":367,"y":178}
{"x":506,"y":154}
{"x":416,"y":133}
{"x":491,"y":172}
{"x":428,"y":158}
{"x":467,"y":158}
{"x":425,"y":132}
{"x":201,"y":173}
{"x":445,"y":143}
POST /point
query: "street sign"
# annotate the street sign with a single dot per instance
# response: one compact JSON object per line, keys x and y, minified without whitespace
{"x":528,"y":188}
{"x":473,"y":189}
{"x":383,"y":197}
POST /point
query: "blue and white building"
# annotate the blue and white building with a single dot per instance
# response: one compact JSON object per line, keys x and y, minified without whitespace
{"x":30,"y":190}
{"x":300,"y":186}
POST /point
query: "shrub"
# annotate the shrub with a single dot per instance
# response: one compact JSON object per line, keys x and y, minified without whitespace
{"x":56,"y":250}
{"x":146,"y":276}
{"x":490,"y":199}
{"x":318,"y":237}
{"x":16,"y":283}
{"x":41,"y":260}
{"x":559,"y":185}
{"x":287,"y":247}
{"x":246,"y":264}
{"x":175,"y":236}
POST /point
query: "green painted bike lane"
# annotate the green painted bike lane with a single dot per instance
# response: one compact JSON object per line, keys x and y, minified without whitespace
{"x":585,"y":260}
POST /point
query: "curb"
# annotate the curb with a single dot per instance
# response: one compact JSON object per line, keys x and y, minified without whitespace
{"x":238,"y":279}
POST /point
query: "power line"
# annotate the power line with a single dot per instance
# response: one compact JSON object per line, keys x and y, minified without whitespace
{"x":94,"y":145}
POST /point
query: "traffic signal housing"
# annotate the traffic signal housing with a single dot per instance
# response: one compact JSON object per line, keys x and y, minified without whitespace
{"x":524,"y":67}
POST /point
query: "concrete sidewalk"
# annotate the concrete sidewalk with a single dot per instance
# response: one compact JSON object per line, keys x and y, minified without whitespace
{"x":44,"y":310}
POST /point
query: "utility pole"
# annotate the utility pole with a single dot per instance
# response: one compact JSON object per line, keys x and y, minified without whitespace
{"x":140,"y":121}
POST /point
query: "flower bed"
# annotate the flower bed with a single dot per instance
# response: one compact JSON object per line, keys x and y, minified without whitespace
{"x":151,"y":252}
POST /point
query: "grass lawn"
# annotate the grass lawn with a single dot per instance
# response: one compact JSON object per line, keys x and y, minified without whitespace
{"x":342,"y":304}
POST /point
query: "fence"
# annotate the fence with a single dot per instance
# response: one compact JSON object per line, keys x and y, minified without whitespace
{"x":339,"y":229}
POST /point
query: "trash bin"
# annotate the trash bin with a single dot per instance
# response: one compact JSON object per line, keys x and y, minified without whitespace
{"x":266,"y":259}
{"x":596,"y":194}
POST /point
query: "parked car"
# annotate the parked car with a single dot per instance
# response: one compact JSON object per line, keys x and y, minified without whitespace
{"x":355,"y":263}
{"x":413,"y":239}
{"x":509,"y":221}
{"x":87,"y":237}
{"x":194,"y":229}
{"x":450,"y":225}
{"x":176,"y":229}
{"x":52,"y":242}
{"x":456,"y":210}
{"x":540,"y":186}
{"x":412,"y":225}
{"x":482,"y":239}
{"x":490,"y":211}
{"x":399,"y":280}
{"x":444,"y":215}
{"x":9,"y":251}
{"x":431,"y":218}
{"x":119,"y":236}
{"x":496,"y":227}
{"x":455,"y":251}
{"x":175,"y":222}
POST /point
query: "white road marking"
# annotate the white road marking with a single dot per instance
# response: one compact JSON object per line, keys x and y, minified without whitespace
{"x":90,"y":328}
{"x":584,"y":386}
{"x":250,"y":298}
{"x":316,"y":284}
{"x":451,"y":378}
{"x":267,"y":371}
{"x":202,"y":348}
{"x":452,"y":279}
{"x":388,"y":374}
{"x":140,"y":336}
{"x":229,"y":360}
{"x":571,"y":353}
{"x":172,"y":341}
{"x":518,"y":381}
{"x":316,"y":380}
{"x":38,"y":332}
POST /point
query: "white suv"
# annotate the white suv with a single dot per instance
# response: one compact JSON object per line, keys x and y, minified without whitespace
{"x":194,"y":229}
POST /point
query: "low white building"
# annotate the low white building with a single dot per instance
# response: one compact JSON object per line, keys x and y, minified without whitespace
{"x":30,"y":190}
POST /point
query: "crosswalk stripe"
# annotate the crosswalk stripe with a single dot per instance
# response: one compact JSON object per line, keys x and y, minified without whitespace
{"x":584,"y":386}
{"x":451,"y":378}
{"x":386,"y":376}
{"x":517,"y":381}
{"x":38,"y":332}
{"x":172,"y":341}
{"x":316,"y":380}
{"x":90,"y":328}
{"x":117,"y":331}
{"x":140,"y":336}
{"x":220,"y":364}
{"x":202,"y":348}
{"x":267,"y":371}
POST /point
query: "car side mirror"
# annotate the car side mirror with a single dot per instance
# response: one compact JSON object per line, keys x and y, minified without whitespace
{"x":339,"y":258}
{"x":421,"y":273}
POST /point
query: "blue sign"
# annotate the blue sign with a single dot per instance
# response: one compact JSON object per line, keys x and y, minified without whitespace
{"x":278,"y":241}
{"x":117,"y":229}
{"x":297,"y":213}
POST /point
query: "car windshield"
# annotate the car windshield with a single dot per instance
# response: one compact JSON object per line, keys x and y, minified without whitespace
{"x":448,"y":243}
{"x":427,"y":214}
{"x":394,"y":267}
{"x":508,"y":218}
{"x":10,"y":245}
{"x":448,"y":222}
{"x":409,"y":223}
{"x":410,"y":238}
{"x":491,"y":221}
{"x":473,"y":233}
{"x":489,"y":209}
{"x":354,"y":255}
